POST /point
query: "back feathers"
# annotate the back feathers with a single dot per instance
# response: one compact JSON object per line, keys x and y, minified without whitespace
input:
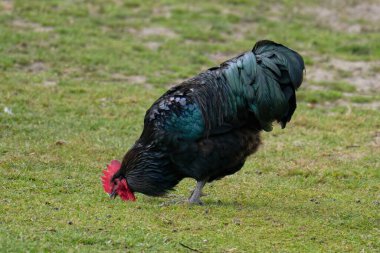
{"x":263,"y":80}
{"x":256,"y":87}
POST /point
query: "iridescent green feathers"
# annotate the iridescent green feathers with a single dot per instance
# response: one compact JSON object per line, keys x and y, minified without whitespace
{"x":284,"y":58}
{"x":262,"y":81}
{"x":268,"y":76}
{"x":279,"y":74}
{"x":258,"y":84}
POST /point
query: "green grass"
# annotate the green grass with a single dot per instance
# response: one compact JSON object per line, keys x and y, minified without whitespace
{"x":319,"y":96}
{"x":70,"y":73}
{"x":338,"y":86}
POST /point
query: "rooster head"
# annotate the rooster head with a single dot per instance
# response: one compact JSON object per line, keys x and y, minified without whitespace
{"x":116,"y":185}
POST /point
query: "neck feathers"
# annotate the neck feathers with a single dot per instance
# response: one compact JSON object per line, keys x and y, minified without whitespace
{"x":148,"y":170}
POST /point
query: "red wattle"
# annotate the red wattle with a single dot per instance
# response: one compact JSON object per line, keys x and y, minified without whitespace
{"x":124,"y":192}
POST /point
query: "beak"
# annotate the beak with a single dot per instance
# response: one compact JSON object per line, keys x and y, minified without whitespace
{"x":113,"y":195}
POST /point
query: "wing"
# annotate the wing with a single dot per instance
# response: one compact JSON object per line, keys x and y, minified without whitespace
{"x":174,"y":117}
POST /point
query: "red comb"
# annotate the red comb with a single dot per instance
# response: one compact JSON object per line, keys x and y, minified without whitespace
{"x":108,"y":174}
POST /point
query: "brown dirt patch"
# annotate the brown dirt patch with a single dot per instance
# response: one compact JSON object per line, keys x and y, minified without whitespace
{"x":342,"y":16}
{"x":23,"y":24}
{"x":118,"y":77}
{"x":131,"y":79}
{"x":37,"y":67}
{"x":49,"y":83}
{"x":319,"y":75}
{"x":7,"y":6}
{"x":376,"y":139}
{"x":154,"y":31}
{"x":361,"y":74}
{"x":153,"y":45}
{"x":365,"y":11}
{"x":218,"y":58}
{"x":276,"y":12}
{"x":162,"y":11}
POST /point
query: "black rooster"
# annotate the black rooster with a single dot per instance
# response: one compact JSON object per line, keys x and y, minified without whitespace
{"x":206,"y":127}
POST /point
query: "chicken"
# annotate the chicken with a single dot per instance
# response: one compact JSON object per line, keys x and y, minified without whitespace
{"x":207,"y":126}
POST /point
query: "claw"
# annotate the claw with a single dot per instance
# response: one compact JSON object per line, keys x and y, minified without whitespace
{"x":195,"y":202}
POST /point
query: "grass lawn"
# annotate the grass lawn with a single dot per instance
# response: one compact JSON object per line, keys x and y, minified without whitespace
{"x":76,"y":78}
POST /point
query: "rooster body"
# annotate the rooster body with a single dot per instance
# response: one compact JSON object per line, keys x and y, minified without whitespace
{"x":207,"y":126}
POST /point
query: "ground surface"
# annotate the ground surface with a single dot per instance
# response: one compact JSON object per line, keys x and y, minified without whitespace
{"x":77,"y":76}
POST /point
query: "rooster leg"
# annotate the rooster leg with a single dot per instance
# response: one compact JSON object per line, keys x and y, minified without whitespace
{"x":197,"y":193}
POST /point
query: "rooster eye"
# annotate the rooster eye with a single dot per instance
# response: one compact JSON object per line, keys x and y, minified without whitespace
{"x":115,"y":181}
